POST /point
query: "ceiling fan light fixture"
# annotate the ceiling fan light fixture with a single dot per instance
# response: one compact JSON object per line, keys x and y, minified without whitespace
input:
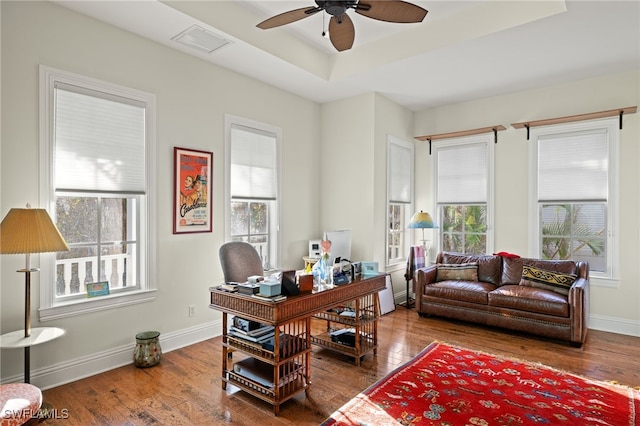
{"x":341,"y":29}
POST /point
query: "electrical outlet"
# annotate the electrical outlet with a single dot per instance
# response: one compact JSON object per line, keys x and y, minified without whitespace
{"x":192,"y":310}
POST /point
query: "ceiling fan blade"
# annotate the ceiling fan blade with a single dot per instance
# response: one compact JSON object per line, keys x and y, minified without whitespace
{"x":288,"y":17}
{"x":391,"y":11}
{"x":341,"y":32}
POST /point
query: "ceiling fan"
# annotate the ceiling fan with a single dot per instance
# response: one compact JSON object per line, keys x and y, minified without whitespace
{"x":341,"y":30}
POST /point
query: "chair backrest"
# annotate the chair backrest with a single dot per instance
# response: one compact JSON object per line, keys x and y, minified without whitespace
{"x":239,"y":261}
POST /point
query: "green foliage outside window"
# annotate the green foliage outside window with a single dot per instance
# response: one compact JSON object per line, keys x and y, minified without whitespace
{"x":250,"y":221}
{"x":395,"y":248}
{"x":464,"y":228}
{"x":574,"y":231}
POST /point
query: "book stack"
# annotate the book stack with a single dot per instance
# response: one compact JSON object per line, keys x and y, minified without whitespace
{"x":228,"y":287}
{"x":345,"y":336}
{"x":248,"y":288}
{"x":262,"y":372}
{"x":251,"y":331}
{"x":277,"y":298}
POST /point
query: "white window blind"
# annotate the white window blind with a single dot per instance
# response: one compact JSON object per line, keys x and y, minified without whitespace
{"x":99,"y":141}
{"x":399,"y":174}
{"x":253,"y":163}
{"x":462,"y":173}
{"x":573,"y":166}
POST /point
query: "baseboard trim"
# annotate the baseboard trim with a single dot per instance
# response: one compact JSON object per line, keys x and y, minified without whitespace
{"x":80,"y":368}
{"x":614,"y":325}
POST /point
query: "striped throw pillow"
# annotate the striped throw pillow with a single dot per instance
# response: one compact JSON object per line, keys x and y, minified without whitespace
{"x":457,"y":271}
{"x":548,"y":280}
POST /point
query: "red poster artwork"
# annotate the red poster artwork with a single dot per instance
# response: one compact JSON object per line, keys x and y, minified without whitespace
{"x":192,"y":200}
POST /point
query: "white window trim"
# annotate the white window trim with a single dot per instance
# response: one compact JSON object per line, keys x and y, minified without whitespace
{"x":49,"y":310}
{"x":613,"y":218}
{"x":396,"y":264}
{"x":488,"y":140}
{"x":229,"y":120}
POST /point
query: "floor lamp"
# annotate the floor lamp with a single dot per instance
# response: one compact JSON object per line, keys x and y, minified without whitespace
{"x":419,"y":220}
{"x":27,"y":231}
{"x":422,"y":220}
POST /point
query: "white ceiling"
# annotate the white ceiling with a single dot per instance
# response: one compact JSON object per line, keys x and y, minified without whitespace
{"x":462,"y":50}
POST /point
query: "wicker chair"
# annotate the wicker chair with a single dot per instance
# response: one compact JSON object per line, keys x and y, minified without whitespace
{"x":239,"y":261}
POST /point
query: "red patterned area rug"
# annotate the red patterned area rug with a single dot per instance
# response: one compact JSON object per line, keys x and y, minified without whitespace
{"x":448,"y":385}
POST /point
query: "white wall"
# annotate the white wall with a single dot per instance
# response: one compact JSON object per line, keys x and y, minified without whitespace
{"x":192,"y":98}
{"x":353,"y":186}
{"x":346,"y":158}
{"x":615,"y":306}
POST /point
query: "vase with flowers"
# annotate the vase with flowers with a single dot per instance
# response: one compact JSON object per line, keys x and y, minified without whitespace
{"x":323,"y":270}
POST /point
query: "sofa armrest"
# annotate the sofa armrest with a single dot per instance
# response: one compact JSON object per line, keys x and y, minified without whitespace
{"x":578,"y":299}
{"x":422,"y":277}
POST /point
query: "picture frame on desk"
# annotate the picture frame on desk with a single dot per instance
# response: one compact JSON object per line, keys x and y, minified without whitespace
{"x":356,"y":269}
{"x":369,"y":269}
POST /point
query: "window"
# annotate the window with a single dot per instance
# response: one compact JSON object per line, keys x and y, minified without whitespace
{"x":97,"y":146}
{"x":574,"y":192}
{"x":252,"y":192}
{"x":399,"y":198}
{"x":463,"y":170}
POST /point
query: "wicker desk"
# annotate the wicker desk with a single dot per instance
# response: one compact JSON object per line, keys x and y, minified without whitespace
{"x":290,"y":357}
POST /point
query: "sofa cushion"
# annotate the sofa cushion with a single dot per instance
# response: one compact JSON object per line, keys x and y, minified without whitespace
{"x":465,"y":291}
{"x":457,"y":271}
{"x":489,"y":267}
{"x":529,"y":299}
{"x":512,"y":268}
{"x":548,"y":280}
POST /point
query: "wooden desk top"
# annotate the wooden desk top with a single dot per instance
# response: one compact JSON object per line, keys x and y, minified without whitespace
{"x":294,"y":307}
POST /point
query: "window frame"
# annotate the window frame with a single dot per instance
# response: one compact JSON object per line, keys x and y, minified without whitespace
{"x":275,"y":253}
{"x":611,"y":126}
{"x":487,"y":140}
{"x":50,"y":307}
{"x":409,"y":209}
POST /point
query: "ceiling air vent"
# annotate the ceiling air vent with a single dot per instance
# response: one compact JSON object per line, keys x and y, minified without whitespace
{"x":201,"y":39}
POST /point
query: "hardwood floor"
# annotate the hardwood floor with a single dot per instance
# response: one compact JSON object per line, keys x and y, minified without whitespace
{"x":185,"y":388}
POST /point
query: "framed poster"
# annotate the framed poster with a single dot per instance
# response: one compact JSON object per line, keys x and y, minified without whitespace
{"x":192,"y":201}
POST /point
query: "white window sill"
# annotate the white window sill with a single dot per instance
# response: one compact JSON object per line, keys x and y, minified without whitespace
{"x":79,"y":307}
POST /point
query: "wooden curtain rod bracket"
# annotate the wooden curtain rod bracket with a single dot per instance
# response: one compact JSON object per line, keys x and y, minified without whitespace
{"x":621,"y":112}
{"x":430,"y":138}
{"x":571,"y":118}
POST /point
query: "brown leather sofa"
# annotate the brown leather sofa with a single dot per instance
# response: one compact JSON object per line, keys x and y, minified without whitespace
{"x":501,"y":297}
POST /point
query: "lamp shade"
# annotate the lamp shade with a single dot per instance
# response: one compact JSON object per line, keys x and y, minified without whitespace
{"x":24,"y":231}
{"x":422,"y":220}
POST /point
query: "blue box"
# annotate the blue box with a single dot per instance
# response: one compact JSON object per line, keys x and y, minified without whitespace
{"x":270,"y":288}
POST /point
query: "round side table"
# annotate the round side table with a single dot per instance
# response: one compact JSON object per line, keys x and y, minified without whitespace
{"x":38,"y":335}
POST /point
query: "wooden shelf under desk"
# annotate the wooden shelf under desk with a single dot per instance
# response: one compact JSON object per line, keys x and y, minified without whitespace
{"x":292,"y":320}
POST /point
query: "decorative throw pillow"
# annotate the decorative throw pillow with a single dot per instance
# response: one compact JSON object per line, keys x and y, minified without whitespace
{"x":457,"y":271}
{"x":548,"y":280}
